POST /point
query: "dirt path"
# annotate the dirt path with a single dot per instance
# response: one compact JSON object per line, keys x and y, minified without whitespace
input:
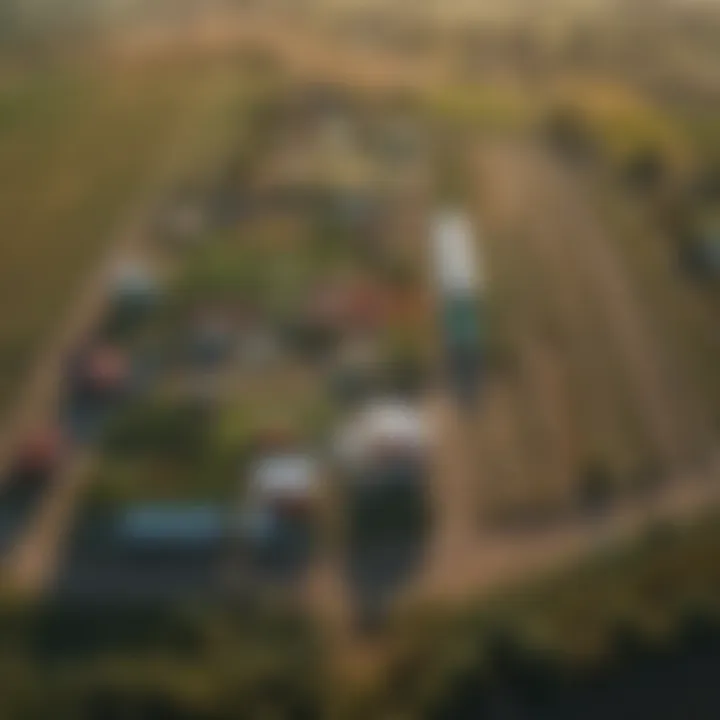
{"x":454,"y":532}
{"x":308,"y":52}
{"x":499,"y":559}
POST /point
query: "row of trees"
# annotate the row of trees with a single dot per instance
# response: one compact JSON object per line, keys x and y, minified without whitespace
{"x":642,"y":624}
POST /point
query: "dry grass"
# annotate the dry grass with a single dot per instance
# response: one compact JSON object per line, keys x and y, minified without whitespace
{"x":78,"y":147}
{"x":586,"y":381}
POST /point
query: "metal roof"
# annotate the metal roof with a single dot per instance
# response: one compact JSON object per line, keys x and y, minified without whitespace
{"x":283,"y":475}
{"x":173,"y":522}
{"x":379,"y":427}
{"x":455,"y":256}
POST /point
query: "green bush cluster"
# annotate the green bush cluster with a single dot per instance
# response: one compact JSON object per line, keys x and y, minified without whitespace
{"x":605,"y":620}
{"x":153,"y":662}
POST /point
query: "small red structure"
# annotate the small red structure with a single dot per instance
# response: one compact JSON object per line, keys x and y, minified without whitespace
{"x":39,"y":454}
{"x":283,"y":483}
{"x":105,"y":370}
{"x":349,"y":306}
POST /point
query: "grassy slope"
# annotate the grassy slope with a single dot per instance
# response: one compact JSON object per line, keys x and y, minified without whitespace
{"x":78,"y":147}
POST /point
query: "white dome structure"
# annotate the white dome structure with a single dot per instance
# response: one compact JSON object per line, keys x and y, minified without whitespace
{"x":388,"y":428}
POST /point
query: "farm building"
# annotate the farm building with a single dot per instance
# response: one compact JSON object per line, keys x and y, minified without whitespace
{"x":335,"y":311}
{"x":348,"y":306}
{"x":382,"y":455}
{"x":279,"y":499}
{"x":172,"y":524}
{"x":381,"y":437}
{"x":283,"y":482}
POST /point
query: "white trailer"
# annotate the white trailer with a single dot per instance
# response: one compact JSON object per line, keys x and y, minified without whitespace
{"x":457,"y":266}
{"x":459,"y":277}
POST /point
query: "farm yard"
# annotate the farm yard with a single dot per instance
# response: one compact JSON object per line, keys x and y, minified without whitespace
{"x":248,"y":328}
{"x":360,"y":350}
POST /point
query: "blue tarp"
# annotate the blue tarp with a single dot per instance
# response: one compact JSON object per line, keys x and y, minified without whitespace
{"x":173,"y":522}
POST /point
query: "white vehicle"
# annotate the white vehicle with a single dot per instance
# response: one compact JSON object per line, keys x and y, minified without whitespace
{"x":388,"y":432}
{"x":460,"y":281}
{"x":283,"y":480}
{"x":456,"y":263}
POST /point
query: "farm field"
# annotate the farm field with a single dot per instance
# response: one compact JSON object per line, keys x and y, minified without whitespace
{"x":603,"y":396}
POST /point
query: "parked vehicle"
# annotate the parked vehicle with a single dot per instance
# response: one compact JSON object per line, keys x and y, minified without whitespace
{"x":38,"y":455}
{"x":459,"y":280}
{"x":101,"y":371}
{"x":134,"y":290}
{"x":99,"y":377}
{"x":333,"y":312}
{"x":213,"y":339}
{"x":279,"y":502}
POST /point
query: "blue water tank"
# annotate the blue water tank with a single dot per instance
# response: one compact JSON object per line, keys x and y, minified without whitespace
{"x":173,"y":523}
